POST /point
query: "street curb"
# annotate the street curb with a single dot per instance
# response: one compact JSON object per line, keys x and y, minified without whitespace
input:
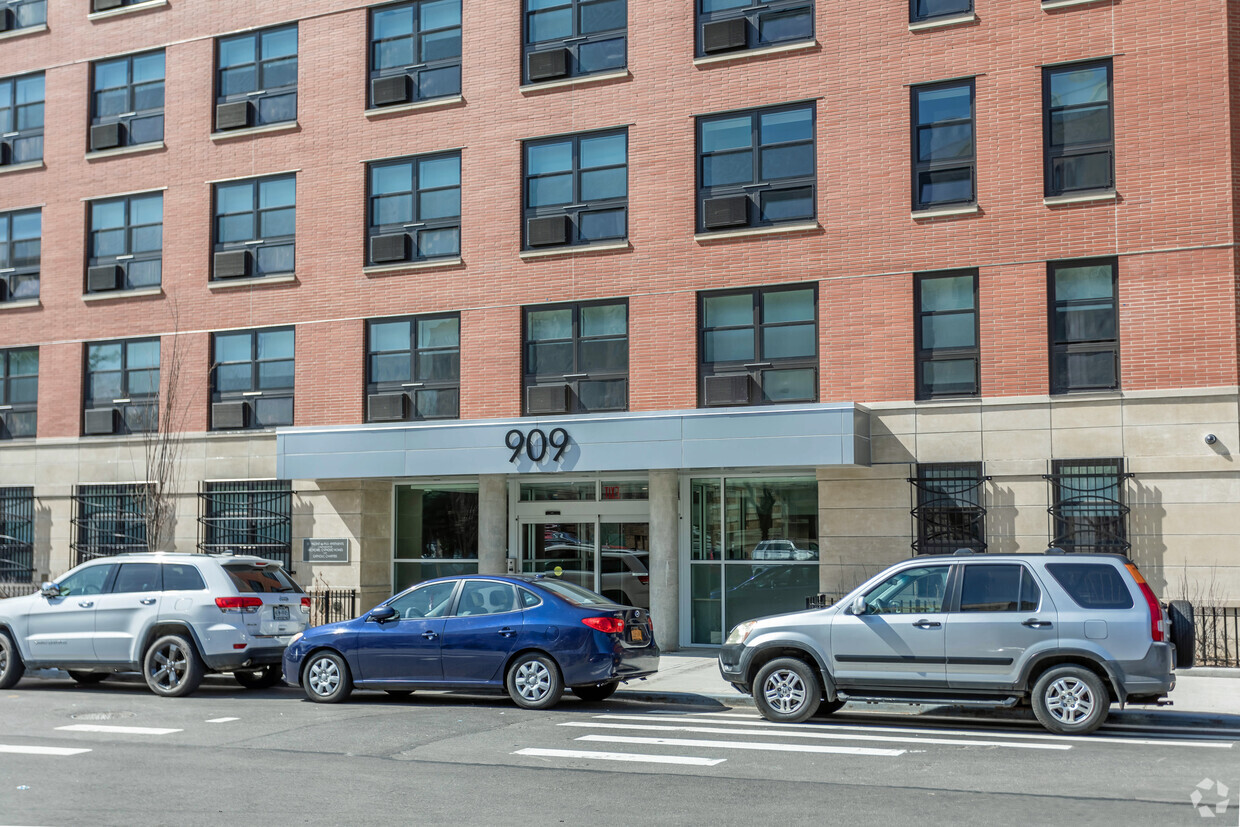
{"x":683,"y":698}
{"x":1209,"y":672}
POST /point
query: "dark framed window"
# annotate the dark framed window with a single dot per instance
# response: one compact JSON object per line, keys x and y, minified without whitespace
{"x":19,"y":392}
{"x":577,"y":357}
{"x":1087,"y":510}
{"x":998,"y":587}
{"x":21,"y":235}
{"x":945,"y":305}
{"x":576,"y":189}
{"x":122,"y":387}
{"x":949,"y":512}
{"x":732,"y":25}
{"x":252,"y":376}
{"x":758,"y":346}
{"x":415,"y":52}
{"x":414,"y":209}
{"x":127,"y":101}
{"x":1084,"y":325}
{"x":255,"y":227}
{"x":126,"y":242}
{"x":1078,"y":128}
{"x":21,"y":119}
{"x":108,"y":520}
{"x":413,"y":368}
{"x":17,"y":534}
{"x":944,"y":163}
{"x":256,"y":82}
{"x":247,"y":517}
{"x":22,"y":14}
{"x":108,"y":5}
{"x":574,"y":38}
{"x":756,"y":168}
{"x":919,"y":11}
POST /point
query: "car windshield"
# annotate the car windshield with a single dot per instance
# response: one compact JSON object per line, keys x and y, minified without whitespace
{"x":248,"y":577}
{"x":577,"y":595}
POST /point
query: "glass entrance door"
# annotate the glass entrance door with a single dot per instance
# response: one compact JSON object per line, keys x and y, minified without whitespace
{"x":609,"y":557}
{"x":564,"y":550}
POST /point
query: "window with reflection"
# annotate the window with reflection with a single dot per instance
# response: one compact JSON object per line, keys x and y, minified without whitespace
{"x":1078,"y":124}
{"x":19,"y":392}
{"x":576,"y":189}
{"x":21,"y":120}
{"x":737,"y":25}
{"x":253,"y":369}
{"x":946,"y":334}
{"x":944,"y":167}
{"x":22,"y":14}
{"x":436,"y":533}
{"x":255,"y":227}
{"x":126,"y":242}
{"x":21,"y":235}
{"x":577,"y":357}
{"x":574,"y":38}
{"x":414,"y":211}
{"x":256,"y":84}
{"x":415,"y":52}
{"x":127,"y":101}
{"x":413,"y":367}
{"x":124,"y":376}
{"x":920,"y":11}
{"x":1084,"y":325}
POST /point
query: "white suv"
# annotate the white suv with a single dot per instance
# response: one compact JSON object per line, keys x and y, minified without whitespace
{"x":173,"y":617}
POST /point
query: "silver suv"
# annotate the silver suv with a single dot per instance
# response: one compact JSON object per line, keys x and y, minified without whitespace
{"x":1069,"y":634}
{"x":171,"y":616}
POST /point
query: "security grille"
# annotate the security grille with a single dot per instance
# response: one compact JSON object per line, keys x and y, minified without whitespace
{"x":949,"y":513}
{"x":1087,"y":510}
{"x":16,"y":535}
{"x":247,"y":517}
{"x":108,"y":520}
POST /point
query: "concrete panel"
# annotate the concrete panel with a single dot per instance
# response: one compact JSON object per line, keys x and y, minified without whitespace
{"x":950,"y":446}
{"x":1069,"y":443}
{"x":1016,"y":445}
{"x":862,"y":493}
{"x":1184,"y":410}
{"x":1176,"y":440}
{"x":1103,"y":413}
{"x":1000,"y":417}
{"x":896,"y":448}
{"x":942,"y":420}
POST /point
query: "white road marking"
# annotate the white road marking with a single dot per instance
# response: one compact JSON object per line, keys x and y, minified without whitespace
{"x":221,"y":720}
{"x":839,"y":736}
{"x":622,"y":756}
{"x":41,"y":750}
{"x":763,"y":747}
{"x":118,"y":730}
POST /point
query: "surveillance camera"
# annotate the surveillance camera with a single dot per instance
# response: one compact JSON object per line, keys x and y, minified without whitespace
{"x":1211,"y":439}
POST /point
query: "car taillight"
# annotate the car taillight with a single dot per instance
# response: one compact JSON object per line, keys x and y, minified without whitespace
{"x":305,"y":603}
{"x":242,"y":603}
{"x":1156,"y":615}
{"x":644,"y":579}
{"x":609,"y":625}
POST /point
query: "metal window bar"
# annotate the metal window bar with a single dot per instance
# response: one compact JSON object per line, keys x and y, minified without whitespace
{"x":1218,"y":635}
{"x":16,"y":535}
{"x":332,"y":605}
{"x":247,"y":517}
{"x":949,"y":513}
{"x":108,"y":520}
{"x":1087,"y":512}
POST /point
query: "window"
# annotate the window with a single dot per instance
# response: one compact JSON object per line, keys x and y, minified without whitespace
{"x":486,"y":597}
{"x":415,"y":52}
{"x":1092,"y":585}
{"x":16,"y":535}
{"x":574,"y":38}
{"x":108,"y":5}
{"x":920,"y":11}
{"x":436,"y":533}
{"x":137,"y":577}
{"x":1087,"y":505}
{"x":252,"y":378}
{"x":413,"y":368}
{"x":182,"y":577}
{"x":577,"y":358}
{"x":20,"y":237}
{"x":126,"y":242}
{"x":732,"y":25}
{"x":257,"y":80}
{"x":949,"y":510}
{"x":90,"y":580}
{"x":247,"y":517}
{"x":911,"y":591}
{"x":758,"y":346}
{"x":260,"y":579}
{"x":756,"y":168}
{"x":109,"y":520}
{"x":122,"y":387}
{"x":127,"y":101}
{"x":21,"y":119}
{"x":432,"y":600}
{"x":576,"y":189}
{"x":414,"y":209}
{"x":998,"y":588}
{"x":19,"y":392}
{"x":1084,"y":326}
{"x":944,"y":166}
{"x":255,"y":226}
{"x":946,"y":334}
{"x":22,"y":14}
{"x":1080,"y":145}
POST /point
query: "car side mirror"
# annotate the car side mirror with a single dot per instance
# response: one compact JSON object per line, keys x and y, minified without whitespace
{"x":382,"y":614}
{"x":857,"y":607}
{"x":49,"y":590}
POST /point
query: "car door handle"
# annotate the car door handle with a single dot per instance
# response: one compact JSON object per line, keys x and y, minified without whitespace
{"x":429,"y":635}
{"x":86,"y":604}
{"x":1034,"y":623}
{"x":147,"y":601}
{"x":506,"y":632}
{"x":927,"y":624}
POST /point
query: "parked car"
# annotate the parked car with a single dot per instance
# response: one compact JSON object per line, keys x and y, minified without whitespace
{"x":1068,"y":634}
{"x":785,"y":550}
{"x":172,"y":617}
{"x":532,"y":636}
{"x":625,"y":574}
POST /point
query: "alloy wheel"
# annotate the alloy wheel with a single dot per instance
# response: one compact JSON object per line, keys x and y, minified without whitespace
{"x":1069,"y":700}
{"x":324,"y":676}
{"x":533,"y":680}
{"x":784,"y":691}
{"x":172,"y":662}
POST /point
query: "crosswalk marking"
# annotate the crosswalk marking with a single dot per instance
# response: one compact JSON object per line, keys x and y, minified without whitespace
{"x":118,"y":730}
{"x":746,"y":745}
{"x":17,"y":750}
{"x":622,"y":756}
{"x":221,"y":720}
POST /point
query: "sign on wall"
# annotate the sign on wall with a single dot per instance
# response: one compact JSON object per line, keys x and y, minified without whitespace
{"x":318,"y":550}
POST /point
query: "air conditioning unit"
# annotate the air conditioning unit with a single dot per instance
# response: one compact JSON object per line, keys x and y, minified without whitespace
{"x":728,"y":211}
{"x":392,"y":247}
{"x":387,"y":91}
{"x":229,"y":415}
{"x":726,"y":390}
{"x":6,"y":19}
{"x":6,"y":153}
{"x":547,"y":399}
{"x":234,"y":115}
{"x":106,"y":136}
{"x":103,"y":277}
{"x":104,"y":5}
{"x":231,"y":264}
{"x":548,"y":64}
{"x":544,"y":232}
{"x":100,"y":421}
{"x":725,"y":35}
{"x":387,"y":407}
{"x":4,"y":290}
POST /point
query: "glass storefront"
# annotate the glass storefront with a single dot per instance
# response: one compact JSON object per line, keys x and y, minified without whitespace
{"x":436,"y":533}
{"x":753,"y":550}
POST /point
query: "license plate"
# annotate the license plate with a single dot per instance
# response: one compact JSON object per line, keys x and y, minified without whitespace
{"x":638,"y":634}
{"x":279,"y":612}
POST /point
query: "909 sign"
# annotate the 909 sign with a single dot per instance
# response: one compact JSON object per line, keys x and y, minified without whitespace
{"x":536,"y":444}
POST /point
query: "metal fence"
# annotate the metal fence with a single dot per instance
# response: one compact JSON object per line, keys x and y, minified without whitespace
{"x":1218,"y":635}
{"x":332,"y":605}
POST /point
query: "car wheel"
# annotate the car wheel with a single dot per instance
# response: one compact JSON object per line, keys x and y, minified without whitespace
{"x":265,"y":678}
{"x":11,"y":666}
{"x":786,"y":690}
{"x":826,"y":708}
{"x":1070,"y":700}
{"x":399,"y":693}
{"x":326,"y":679}
{"x":1183,"y":633}
{"x":172,"y":667}
{"x":534,"y":682}
{"x":595,"y":694}
{"x":89,"y":677}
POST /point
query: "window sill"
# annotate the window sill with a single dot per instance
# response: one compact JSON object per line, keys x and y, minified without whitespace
{"x":102,"y":154}
{"x":577,"y":249}
{"x":1053,"y":5}
{"x":550,"y":85}
{"x":29,"y":165}
{"x":799,"y":227}
{"x":135,"y":8}
{"x":1082,"y":198}
{"x":113,"y":295}
{"x":253,"y":281}
{"x":945,"y":212}
{"x":287,"y":126}
{"x":9,"y":35}
{"x":943,"y":22}
{"x":384,"y":269}
{"x":400,"y":109}
{"x":744,"y":54}
{"x":20,"y":304}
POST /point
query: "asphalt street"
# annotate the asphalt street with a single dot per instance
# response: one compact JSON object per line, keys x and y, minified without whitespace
{"x":116,"y":754}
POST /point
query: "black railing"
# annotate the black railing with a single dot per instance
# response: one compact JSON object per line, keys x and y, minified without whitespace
{"x":332,"y":605}
{"x":949,"y":512}
{"x":16,"y":535}
{"x":822,"y":601}
{"x":108,"y":520}
{"x":1088,"y":513}
{"x":247,"y":517}
{"x":1218,"y":635}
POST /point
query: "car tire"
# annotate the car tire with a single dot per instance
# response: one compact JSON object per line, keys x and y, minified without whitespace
{"x":1183,"y":633}
{"x":1070,"y":700}
{"x":786,"y":690}
{"x":326,"y":678}
{"x":11,"y":666}
{"x":86,"y":678}
{"x":172,"y":667}
{"x":534,"y":682}
{"x":826,"y":708}
{"x":594,"y":694}
{"x":265,"y":678}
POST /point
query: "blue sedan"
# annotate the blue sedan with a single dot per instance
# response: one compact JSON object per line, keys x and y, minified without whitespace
{"x":532,"y":636}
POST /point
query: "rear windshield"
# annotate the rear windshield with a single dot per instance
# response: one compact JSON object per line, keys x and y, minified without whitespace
{"x":577,"y":595}
{"x":265,"y":579}
{"x":1092,"y":585}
